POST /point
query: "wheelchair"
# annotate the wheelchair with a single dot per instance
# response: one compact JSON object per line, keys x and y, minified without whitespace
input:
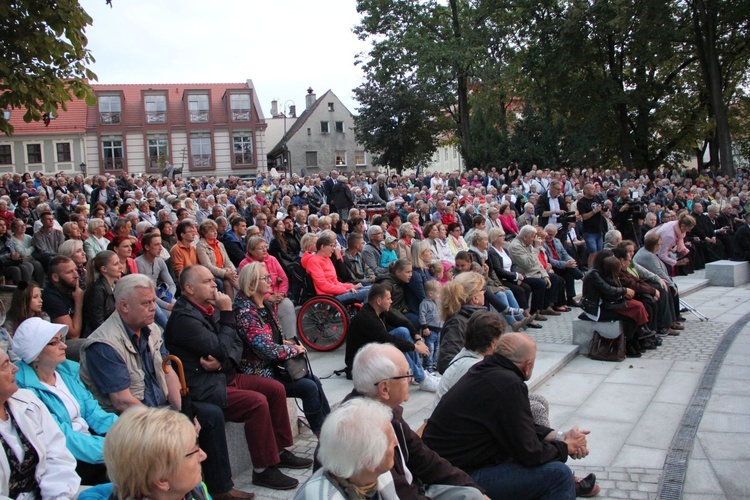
{"x":322,"y":320}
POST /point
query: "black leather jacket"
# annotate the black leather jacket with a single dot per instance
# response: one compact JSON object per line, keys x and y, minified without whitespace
{"x":595,"y":287}
{"x":100,"y":304}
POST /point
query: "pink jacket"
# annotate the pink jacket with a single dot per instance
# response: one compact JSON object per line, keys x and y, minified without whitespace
{"x":279,"y":280}
{"x":672,"y":240}
{"x":323,"y":274}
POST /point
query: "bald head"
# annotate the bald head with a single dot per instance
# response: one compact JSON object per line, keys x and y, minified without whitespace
{"x":520,"y":349}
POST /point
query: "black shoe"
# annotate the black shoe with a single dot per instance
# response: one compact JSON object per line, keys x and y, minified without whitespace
{"x":632,"y":352}
{"x":586,"y":487}
{"x":648,"y":345}
{"x":658,"y":341}
{"x":572,"y":303}
{"x":684,"y":310}
{"x":273,"y":478}
{"x":680,"y":318}
{"x":290,"y":461}
{"x":533,"y":325}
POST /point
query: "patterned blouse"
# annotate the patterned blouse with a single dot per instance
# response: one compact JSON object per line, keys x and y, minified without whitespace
{"x":259,"y":330}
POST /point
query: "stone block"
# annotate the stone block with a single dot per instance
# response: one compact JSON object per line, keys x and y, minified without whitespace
{"x":583,"y":332}
{"x":728,"y":273}
{"x":239,"y":456}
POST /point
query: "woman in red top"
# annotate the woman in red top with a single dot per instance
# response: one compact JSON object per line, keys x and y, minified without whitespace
{"x":507,"y":219}
{"x":320,"y":268}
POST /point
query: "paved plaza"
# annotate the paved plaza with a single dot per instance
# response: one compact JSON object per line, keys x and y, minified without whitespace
{"x":642,"y":412}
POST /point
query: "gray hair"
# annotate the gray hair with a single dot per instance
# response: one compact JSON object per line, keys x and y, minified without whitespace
{"x":477,"y":235}
{"x":68,"y":247}
{"x":128,"y":285}
{"x":352,"y":440}
{"x":403,"y":228}
{"x":142,"y":226}
{"x":526,"y":230}
{"x":371,"y":365}
{"x":374,"y":229}
{"x":613,"y":237}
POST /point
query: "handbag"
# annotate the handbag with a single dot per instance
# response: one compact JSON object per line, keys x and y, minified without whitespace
{"x":604,"y":349}
{"x":292,"y":369}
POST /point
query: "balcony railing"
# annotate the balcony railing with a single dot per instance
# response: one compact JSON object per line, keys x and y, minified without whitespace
{"x":198,"y":116}
{"x":240,"y":115}
{"x":113,"y":163}
{"x":110,"y":117}
{"x":202,"y":161}
{"x":156,"y":117}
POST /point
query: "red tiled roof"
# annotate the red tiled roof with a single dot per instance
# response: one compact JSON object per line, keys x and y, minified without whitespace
{"x":72,"y":121}
{"x":133,"y":109}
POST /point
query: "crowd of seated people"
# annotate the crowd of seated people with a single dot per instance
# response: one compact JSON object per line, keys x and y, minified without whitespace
{"x":114,"y":262}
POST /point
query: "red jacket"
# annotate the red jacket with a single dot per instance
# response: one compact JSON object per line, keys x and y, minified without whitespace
{"x":279,"y":280}
{"x":323,"y":274}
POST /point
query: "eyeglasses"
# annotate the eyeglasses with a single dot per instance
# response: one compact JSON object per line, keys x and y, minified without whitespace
{"x":56,"y":341}
{"x":260,"y":249}
{"x":409,"y":374}
{"x":197,"y":450}
{"x":266,"y":278}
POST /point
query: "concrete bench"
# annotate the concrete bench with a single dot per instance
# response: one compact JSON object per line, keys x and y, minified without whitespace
{"x":583,"y":332}
{"x":728,"y":273}
{"x":239,"y":456}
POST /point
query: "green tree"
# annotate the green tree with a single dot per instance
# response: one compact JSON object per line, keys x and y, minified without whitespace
{"x":397,"y":121}
{"x":44,"y":57}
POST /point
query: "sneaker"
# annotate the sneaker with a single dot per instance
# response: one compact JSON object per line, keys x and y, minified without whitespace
{"x":430,"y":383}
{"x":513,"y":311}
{"x":289,"y":460}
{"x":273,"y":478}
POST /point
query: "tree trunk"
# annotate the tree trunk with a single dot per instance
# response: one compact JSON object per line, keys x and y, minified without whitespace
{"x":705,"y":20}
{"x":464,"y":127}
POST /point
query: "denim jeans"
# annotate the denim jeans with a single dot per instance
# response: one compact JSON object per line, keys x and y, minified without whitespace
{"x":550,"y":481}
{"x":360,"y":296}
{"x":432,"y":341}
{"x":507,"y":299}
{"x":160,"y":318}
{"x":314,"y":401}
{"x":594,"y":242}
{"x":415,"y":364}
{"x":217,"y":471}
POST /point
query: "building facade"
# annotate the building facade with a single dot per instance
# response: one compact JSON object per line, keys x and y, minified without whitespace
{"x":57,"y":147}
{"x":319,"y":140}
{"x":205,"y":129}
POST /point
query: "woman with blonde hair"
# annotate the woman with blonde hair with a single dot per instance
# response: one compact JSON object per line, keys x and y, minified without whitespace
{"x":74,"y":250}
{"x":212,"y":254}
{"x":460,"y":298}
{"x":421,"y":256}
{"x":152,"y":453}
{"x":265,"y":346}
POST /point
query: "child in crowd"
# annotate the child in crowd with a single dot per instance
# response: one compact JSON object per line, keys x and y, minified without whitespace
{"x":441,"y":271}
{"x":429,"y":320}
{"x":389,"y":254}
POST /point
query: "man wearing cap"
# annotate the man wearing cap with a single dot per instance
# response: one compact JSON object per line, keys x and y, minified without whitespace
{"x":121,"y":364}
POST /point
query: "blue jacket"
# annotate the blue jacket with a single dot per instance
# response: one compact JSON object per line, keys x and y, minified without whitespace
{"x":84,"y":447}
{"x":415,"y":293}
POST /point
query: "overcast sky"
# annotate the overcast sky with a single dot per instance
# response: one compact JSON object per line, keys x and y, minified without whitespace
{"x":284,"y":46}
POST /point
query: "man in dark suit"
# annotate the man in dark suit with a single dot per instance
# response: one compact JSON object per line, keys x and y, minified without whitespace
{"x":741,"y":248}
{"x":328,"y":185}
{"x":343,"y":198}
{"x":104,"y":193}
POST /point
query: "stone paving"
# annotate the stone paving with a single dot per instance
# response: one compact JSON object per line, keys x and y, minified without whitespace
{"x":633,"y":408}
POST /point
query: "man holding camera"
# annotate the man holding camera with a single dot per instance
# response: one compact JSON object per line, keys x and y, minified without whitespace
{"x":594,"y":224}
{"x":626,"y":215}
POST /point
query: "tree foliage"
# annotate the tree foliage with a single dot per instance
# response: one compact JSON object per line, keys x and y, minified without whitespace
{"x":617,"y":82}
{"x":397,"y":121}
{"x":43,"y":61}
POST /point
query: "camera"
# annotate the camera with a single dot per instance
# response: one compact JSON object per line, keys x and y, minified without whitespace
{"x":567,"y":218}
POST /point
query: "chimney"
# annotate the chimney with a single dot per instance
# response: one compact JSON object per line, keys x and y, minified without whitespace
{"x":274,"y":108}
{"x":309,"y":98}
{"x":292,"y":111}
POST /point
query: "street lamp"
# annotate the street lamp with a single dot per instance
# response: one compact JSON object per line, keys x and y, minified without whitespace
{"x":83,"y":168}
{"x":286,"y":159}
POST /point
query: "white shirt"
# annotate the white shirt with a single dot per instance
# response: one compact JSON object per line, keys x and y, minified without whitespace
{"x":74,"y":409}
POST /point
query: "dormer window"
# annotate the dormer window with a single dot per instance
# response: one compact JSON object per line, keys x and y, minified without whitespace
{"x":240,"y":105}
{"x":156,"y":108}
{"x":198,"y":108}
{"x":110,"y":109}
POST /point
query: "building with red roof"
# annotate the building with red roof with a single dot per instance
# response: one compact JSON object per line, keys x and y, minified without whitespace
{"x":205,"y":129}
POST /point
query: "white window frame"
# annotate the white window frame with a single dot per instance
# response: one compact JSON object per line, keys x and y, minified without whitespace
{"x":26,"y":152}
{"x":196,"y":114}
{"x":113,"y":148}
{"x":249,"y":140}
{"x":70,"y":144}
{"x":155,"y":115}
{"x":336,"y":154}
{"x":200,"y":151}
{"x":106,"y":108}
{"x":10,"y":145}
{"x":364,"y":159}
{"x":240,"y":114}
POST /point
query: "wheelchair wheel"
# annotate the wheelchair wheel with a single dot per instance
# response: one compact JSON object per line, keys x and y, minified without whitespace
{"x":322,"y":323}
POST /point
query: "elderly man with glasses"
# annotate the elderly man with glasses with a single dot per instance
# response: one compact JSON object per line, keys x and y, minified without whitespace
{"x":381,"y":372}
